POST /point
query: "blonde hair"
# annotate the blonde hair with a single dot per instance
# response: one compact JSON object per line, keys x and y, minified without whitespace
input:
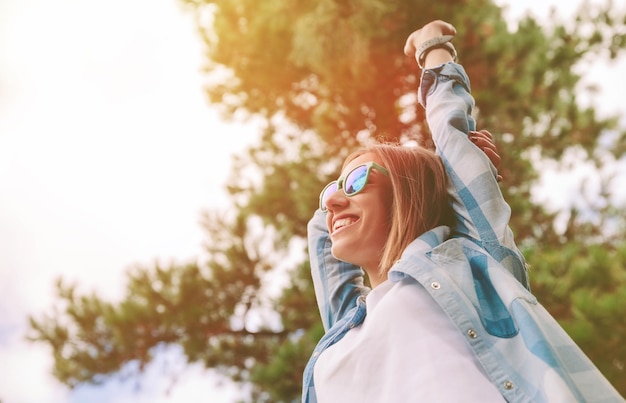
{"x":420,"y":199}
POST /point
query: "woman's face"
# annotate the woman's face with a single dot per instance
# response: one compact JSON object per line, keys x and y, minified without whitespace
{"x":359,"y":225}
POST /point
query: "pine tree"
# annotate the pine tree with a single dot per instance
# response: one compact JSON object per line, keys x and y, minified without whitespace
{"x":323,"y":76}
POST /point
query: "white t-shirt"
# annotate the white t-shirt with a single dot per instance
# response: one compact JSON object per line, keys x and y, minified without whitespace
{"x":406,"y":350}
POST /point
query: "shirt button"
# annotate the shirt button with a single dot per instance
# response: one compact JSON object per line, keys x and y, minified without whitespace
{"x":435,"y":285}
{"x":472,"y":333}
{"x":508,"y":385}
{"x":351,"y":325}
{"x":315,"y":354}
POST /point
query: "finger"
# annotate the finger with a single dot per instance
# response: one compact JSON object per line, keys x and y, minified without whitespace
{"x":448,"y":29}
{"x":444,"y":27}
{"x":486,"y":133}
{"x":484,"y":140}
{"x":483,"y":134}
{"x":493,"y":156}
{"x":484,"y":144}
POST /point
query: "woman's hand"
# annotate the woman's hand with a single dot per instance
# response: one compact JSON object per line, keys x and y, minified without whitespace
{"x":484,"y":140}
{"x":429,"y":31}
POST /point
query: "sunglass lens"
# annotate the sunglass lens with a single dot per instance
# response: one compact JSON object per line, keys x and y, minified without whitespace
{"x":356,"y":180}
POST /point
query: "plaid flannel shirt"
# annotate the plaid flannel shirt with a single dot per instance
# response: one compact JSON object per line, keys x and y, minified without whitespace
{"x":474,"y":271}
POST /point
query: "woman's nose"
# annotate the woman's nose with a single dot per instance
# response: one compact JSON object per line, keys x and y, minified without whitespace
{"x":337,"y":200}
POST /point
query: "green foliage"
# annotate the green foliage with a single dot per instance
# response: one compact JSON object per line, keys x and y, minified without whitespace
{"x":584,"y":286}
{"x":325,"y":76}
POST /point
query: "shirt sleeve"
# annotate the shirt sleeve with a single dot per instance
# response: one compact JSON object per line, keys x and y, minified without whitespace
{"x":481,"y":212}
{"x":337,"y":284}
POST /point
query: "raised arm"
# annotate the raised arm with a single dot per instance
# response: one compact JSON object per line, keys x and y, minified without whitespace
{"x":481,"y":212}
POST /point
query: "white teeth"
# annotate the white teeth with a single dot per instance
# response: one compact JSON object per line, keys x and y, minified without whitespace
{"x":343,"y":222}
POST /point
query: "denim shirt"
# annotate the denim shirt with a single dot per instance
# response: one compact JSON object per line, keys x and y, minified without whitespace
{"x":474,"y":271}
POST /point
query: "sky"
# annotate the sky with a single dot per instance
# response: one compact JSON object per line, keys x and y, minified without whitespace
{"x":109,"y":153}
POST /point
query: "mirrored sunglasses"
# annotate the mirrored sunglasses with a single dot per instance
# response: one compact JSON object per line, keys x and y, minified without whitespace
{"x":352,"y":183}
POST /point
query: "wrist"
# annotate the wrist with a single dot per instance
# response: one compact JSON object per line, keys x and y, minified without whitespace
{"x":439,"y":42}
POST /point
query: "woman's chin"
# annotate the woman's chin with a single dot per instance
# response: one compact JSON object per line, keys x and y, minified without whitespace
{"x":340,"y":253}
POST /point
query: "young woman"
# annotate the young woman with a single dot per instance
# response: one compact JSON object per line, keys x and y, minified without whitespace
{"x":449,"y":317}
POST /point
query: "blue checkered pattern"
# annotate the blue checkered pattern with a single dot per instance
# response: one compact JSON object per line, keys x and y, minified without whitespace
{"x":474,"y":271}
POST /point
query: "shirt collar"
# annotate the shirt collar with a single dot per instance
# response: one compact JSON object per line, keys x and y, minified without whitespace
{"x":420,"y":245}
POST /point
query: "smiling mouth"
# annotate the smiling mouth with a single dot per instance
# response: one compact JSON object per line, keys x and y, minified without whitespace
{"x":344,"y":222}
